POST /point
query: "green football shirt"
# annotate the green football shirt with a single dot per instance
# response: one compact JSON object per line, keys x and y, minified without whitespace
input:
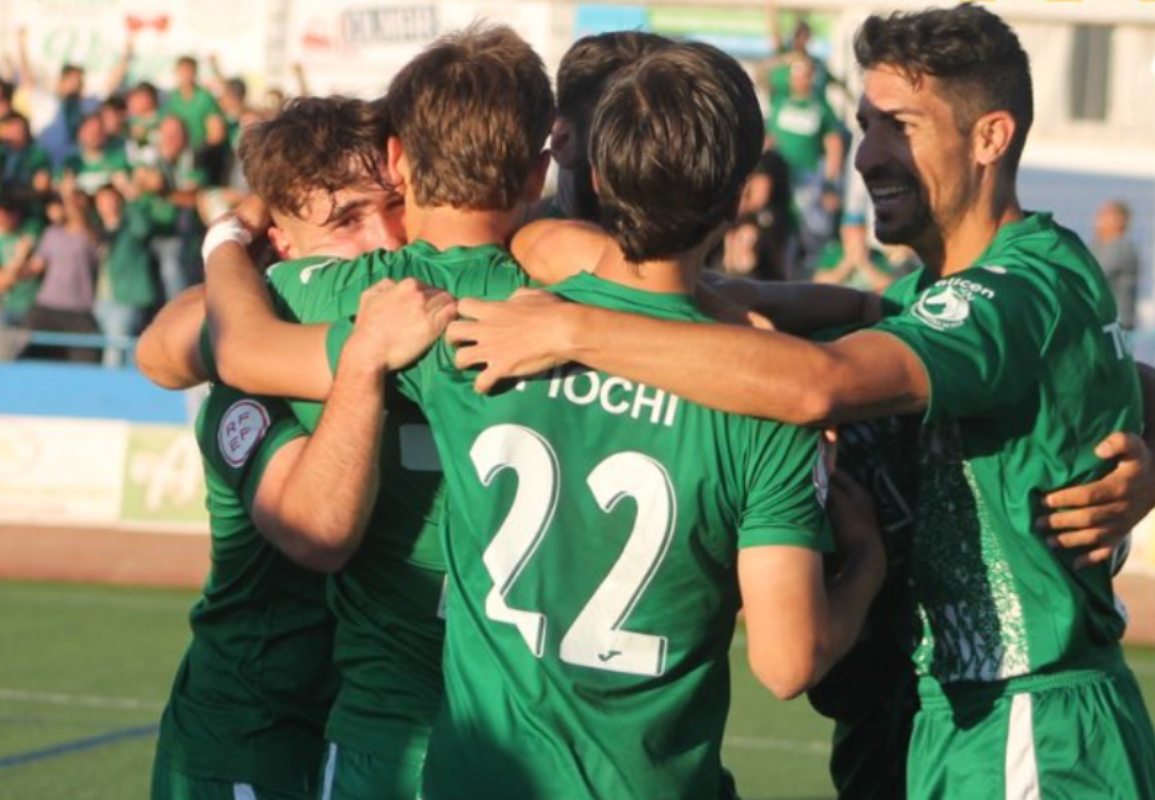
{"x":193,"y":111}
{"x":798,"y":126}
{"x":591,"y":542}
{"x":22,"y":295}
{"x":387,"y":598}
{"x":1028,"y":370}
{"x":93,"y":172}
{"x":250,"y":697}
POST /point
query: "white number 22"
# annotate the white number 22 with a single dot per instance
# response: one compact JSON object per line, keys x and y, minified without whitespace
{"x":595,"y":639}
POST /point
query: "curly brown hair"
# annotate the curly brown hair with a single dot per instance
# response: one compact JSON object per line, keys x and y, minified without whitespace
{"x":326,"y":143}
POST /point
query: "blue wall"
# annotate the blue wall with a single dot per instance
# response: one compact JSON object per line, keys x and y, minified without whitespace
{"x":92,"y":392}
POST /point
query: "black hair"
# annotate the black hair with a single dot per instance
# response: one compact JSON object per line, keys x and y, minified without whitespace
{"x":973,"y":53}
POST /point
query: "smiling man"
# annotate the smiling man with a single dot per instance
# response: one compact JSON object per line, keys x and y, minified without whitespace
{"x":1007,"y":343}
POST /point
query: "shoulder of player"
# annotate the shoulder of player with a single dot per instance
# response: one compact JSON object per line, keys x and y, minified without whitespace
{"x":232,"y":425}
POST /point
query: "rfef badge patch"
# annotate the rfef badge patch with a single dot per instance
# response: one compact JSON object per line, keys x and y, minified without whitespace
{"x":242,"y":428}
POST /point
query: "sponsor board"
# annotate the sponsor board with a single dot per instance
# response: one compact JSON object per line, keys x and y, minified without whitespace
{"x":100,"y":473}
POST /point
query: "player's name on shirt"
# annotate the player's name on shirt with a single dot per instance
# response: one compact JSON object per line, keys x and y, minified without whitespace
{"x":582,"y":386}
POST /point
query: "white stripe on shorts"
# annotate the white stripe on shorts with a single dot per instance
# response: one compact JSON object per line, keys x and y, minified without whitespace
{"x":243,"y":791}
{"x":1021,"y":768}
{"x":330,"y":772}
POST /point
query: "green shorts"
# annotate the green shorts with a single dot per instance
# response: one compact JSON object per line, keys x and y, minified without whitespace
{"x":349,"y":774}
{"x":1071,"y":735}
{"x":169,"y":784}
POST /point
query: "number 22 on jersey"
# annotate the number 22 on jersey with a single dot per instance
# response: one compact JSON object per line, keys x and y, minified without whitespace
{"x":596,"y":638}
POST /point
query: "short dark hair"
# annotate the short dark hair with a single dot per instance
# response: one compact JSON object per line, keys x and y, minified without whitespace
{"x":70,"y":69}
{"x":149,"y":89}
{"x":187,"y":61}
{"x":115,"y":102}
{"x":473,"y":111}
{"x":592,"y":61}
{"x":673,"y":140}
{"x":238,"y":87}
{"x":973,"y":53}
{"x":328,"y":143}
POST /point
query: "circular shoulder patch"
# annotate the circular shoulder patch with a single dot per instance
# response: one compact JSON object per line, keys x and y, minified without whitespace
{"x":242,"y":428}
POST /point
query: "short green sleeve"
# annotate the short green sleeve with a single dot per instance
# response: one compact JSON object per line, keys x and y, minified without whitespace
{"x":249,"y":432}
{"x":980,"y":336}
{"x":783,"y":505}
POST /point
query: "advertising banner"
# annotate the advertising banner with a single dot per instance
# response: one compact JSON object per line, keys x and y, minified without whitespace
{"x":61,"y":470}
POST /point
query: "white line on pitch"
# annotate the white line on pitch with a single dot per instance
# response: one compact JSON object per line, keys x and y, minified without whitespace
{"x":789,"y":745}
{"x":86,"y":700}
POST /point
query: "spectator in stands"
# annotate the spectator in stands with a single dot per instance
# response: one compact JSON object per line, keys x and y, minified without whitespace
{"x":804,"y":130}
{"x":194,"y":106}
{"x":18,"y":235}
{"x":114,"y":116}
{"x":850,"y":261}
{"x":67,"y":257}
{"x":7,"y":92}
{"x":143,"y":105}
{"x":126,"y":289}
{"x":1116,"y":255}
{"x":23,"y":162}
{"x":57,"y":114}
{"x":97,"y":163}
{"x":177,"y":252}
{"x":760,"y":242}
{"x":786,"y":56}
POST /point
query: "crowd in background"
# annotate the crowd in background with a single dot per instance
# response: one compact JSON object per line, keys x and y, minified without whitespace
{"x":104,"y":198}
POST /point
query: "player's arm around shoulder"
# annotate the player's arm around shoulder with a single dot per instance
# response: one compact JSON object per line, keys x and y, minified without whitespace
{"x":168,"y":351}
{"x":316,"y":495}
{"x":799,"y":622}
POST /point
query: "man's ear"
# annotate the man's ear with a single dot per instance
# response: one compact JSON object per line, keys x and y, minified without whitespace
{"x":397,"y":164}
{"x":563,"y":142}
{"x":282,"y":244}
{"x":992,"y":137}
{"x":535,"y":183}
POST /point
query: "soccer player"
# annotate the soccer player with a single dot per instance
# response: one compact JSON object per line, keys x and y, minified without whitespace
{"x":253,"y":694}
{"x":468,"y":170}
{"x":1007,"y":343}
{"x":582,"y":76}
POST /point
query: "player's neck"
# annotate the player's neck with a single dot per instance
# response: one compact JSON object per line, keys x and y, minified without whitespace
{"x":675,"y":275}
{"x":445,"y":227}
{"x":973,"y":234}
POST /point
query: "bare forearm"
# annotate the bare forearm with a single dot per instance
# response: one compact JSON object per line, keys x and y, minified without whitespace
{"x":330,"y":494}
{"x":168,"y":352}
{"x":849,"y":597}
{"x":802,"y":308}
{"x":744,"y":371}
{"x":255,"y":350}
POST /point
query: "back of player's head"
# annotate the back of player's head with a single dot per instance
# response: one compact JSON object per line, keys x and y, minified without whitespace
{"x":472,"y":112}
{"x":590,"y":63}
{"x":314,"y":143}
{"x":976,"y":57}
{"x":673,"y":141}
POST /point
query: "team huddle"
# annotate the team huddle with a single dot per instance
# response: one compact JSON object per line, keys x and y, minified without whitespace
{"x":488,"y":494}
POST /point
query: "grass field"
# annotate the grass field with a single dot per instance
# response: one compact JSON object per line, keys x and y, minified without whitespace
{"x":84,"y":671}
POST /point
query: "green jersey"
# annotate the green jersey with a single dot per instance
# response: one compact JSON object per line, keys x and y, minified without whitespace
{"x":387,"y":598}
{"x":93,"y":172}
{"x":249,"y":701}
{"x":1028,"y":370}
{"x":22,"y":295}
{"x":591,"y":542}
{"x":798,"y":126}
{"x":193,"y":111}
{"x":129,"y":262}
